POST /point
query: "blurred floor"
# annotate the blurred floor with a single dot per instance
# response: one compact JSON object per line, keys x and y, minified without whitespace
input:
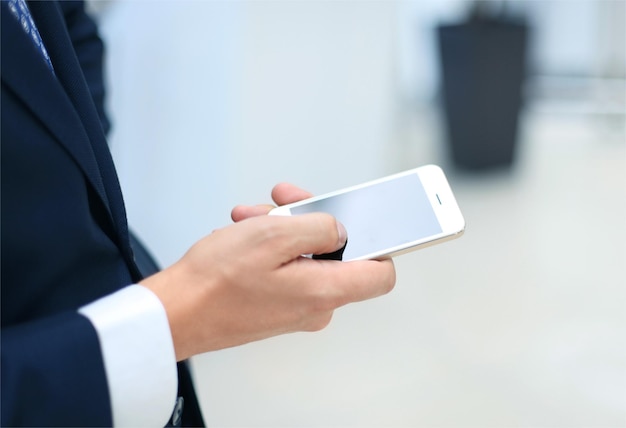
{"x":518,"y":323}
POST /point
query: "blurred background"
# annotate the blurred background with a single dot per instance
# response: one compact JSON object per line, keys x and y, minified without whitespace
{"x":519,"y":323}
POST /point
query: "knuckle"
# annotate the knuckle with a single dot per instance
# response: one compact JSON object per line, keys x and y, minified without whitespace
{"x":318,"y":322}
{"x":268,"y":229}
{"x":322,"y":305}
{"x":329,"y":228}
{"x":320,"y":300}
{"x":327,"y":218}
{"x":328,"y":222}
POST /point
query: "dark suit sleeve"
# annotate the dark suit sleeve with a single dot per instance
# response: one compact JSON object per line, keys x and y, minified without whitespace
{"x":39,"y":363}
{"x":52,"y":372}
{"x":60,"y":250}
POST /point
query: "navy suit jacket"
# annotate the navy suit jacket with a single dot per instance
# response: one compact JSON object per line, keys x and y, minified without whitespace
{"x":65,"y":240}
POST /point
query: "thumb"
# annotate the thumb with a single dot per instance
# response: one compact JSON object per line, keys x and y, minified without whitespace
{"x":315,"y":233}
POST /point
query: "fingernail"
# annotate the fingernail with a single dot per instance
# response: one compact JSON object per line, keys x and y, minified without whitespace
{"x":343,"y":234}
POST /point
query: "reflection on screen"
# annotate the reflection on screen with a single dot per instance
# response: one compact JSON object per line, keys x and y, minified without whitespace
{"x":381,"y":216}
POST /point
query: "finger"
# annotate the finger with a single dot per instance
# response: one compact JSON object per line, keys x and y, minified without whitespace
{"x":285,"y":193}
{"x":337,"y":284}
{"x":242,"y":212}
{"x":316,"y":233}
{"x":366,"y":279}
{"x":282,"y":239}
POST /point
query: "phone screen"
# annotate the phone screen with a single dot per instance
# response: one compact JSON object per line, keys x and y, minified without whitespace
{"x":381,"y":216}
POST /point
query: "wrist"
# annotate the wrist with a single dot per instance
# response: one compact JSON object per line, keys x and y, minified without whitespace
{"x":162,"y":286}
{"x":182,"y":299}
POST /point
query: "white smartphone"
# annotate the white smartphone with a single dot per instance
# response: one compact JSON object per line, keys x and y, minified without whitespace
{"x":392,"y":215}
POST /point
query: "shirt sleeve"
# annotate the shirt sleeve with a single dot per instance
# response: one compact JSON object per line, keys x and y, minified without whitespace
{"x":138,"y":355}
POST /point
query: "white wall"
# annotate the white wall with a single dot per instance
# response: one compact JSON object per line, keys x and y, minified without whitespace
{"x":215,"y":102}
{"x":578,"y":37}
{"x":172,"y":89}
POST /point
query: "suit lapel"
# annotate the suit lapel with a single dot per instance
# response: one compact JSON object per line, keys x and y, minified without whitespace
{"x":64,"y":104}
{"x":25,"y":72}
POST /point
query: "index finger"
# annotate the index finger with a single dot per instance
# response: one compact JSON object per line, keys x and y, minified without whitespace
{"x":334,"y":284}
{"x":242,"y":212}
{"x":282,"y":194}
{"x":286,"y":193}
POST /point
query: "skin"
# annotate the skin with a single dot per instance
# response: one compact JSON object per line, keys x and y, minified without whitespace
{"x":248,"y":281}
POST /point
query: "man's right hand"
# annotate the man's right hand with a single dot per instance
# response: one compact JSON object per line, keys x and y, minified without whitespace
{"x":248,"y":281}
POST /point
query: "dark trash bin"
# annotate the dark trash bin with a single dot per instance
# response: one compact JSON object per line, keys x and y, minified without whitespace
{"x":483,"y":65}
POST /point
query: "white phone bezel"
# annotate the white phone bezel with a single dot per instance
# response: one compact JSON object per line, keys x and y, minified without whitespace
{"x":439,"y":194}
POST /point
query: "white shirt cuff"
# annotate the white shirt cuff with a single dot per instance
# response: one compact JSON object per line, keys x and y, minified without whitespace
{"x":138,"y":353}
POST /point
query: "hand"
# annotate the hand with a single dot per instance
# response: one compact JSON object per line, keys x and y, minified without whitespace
{"x":248,"y":281}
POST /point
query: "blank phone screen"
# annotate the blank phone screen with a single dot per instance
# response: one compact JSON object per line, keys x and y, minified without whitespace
{"x":381,"y":216}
